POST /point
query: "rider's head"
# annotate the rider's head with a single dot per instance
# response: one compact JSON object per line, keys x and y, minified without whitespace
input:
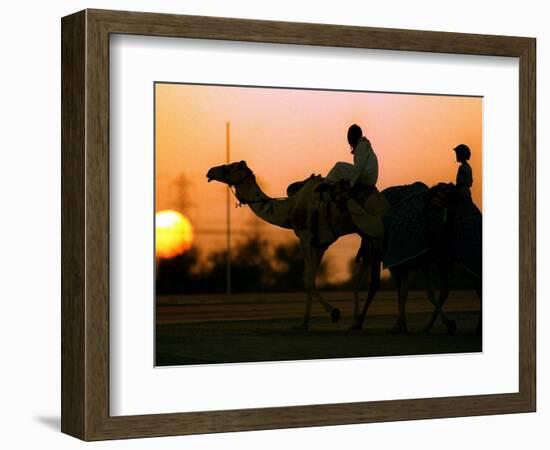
{"x":462,"y":153}
{"x":354,"y":134}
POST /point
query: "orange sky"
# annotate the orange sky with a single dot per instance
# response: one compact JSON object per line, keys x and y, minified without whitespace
{"x":287,"y":134}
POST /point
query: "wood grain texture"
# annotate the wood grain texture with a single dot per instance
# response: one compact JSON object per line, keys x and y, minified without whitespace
{"x":97,"y":225}
{"x":527,"y":224}
{"x":152,"y":24}
{"x":85,"y":224}
{"x":72,"y":224}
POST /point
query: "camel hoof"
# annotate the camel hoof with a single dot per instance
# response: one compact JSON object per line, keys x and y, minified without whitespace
{"x":356,"y":327}
{"x":302,"y":327}
{"x":451,"y":327}
{"x":335,"y":315}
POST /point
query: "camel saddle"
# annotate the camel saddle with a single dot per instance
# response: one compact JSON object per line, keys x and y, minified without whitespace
{"x":297,"y":185}
{"x":339,"y":192}
{"x":368,"y":208}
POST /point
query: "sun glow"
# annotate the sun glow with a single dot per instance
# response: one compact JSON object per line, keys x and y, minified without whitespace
{"x":174,"y":234}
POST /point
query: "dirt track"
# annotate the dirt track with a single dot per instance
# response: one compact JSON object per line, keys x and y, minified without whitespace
{"x":249,"y":328}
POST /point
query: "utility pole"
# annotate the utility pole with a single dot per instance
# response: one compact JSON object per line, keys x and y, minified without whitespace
{"x":228,"y":212}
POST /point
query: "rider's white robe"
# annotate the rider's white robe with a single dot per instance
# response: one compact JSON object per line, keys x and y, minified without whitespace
{"x":364,"y":169}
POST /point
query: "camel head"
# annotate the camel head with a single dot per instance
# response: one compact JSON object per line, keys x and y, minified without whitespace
{"x":231,"y":174}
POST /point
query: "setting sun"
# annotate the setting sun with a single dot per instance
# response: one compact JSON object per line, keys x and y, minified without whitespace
{"x":174,"y":234}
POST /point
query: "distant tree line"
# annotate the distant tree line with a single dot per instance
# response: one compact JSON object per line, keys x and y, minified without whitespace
{"x":260,"y":266}
{"x":256,"y":266}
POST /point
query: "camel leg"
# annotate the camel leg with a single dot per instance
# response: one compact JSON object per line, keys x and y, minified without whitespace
{"x":308,"y":276}
{"x":362,"y":260}
{"x":402,"y":292}
{"x":443,"y":296}
{"x":431,"y":297}
{"x":309,"y":298}
{"x":312,"y":260}
{"x":438,"y":304}
{"x":333,"y":311}
{"x":360,"y":271}
{"x":316,"y":257}
{"x":373,"y":289}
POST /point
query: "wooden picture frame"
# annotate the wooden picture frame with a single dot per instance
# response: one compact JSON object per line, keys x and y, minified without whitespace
{"x":85,"y":224}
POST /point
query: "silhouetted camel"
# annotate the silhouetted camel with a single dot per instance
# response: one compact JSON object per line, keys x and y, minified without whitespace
{"x":443,"y":213}
{"x":297,"y":212}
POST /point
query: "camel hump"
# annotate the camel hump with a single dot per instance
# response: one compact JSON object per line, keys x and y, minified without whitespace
{"x":293,"y":188}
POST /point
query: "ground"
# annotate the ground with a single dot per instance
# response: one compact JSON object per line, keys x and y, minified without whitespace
{"x":255,"y":327}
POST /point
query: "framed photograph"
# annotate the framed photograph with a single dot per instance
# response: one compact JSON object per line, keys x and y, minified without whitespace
{"x":272,"y":225}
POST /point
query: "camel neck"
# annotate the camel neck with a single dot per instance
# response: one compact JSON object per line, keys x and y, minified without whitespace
{"x":274,"y":211}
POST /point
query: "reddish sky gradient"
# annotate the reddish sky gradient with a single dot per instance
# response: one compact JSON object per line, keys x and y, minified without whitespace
{"x":287,"y":134}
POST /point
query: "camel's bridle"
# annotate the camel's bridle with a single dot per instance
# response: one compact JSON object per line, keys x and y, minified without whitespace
{"x":232,"y":187}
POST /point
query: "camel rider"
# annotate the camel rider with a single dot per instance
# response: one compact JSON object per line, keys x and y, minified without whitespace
{"x":464,"y":179}
{"x":360,"y":178}
{"x":365,"y":163}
